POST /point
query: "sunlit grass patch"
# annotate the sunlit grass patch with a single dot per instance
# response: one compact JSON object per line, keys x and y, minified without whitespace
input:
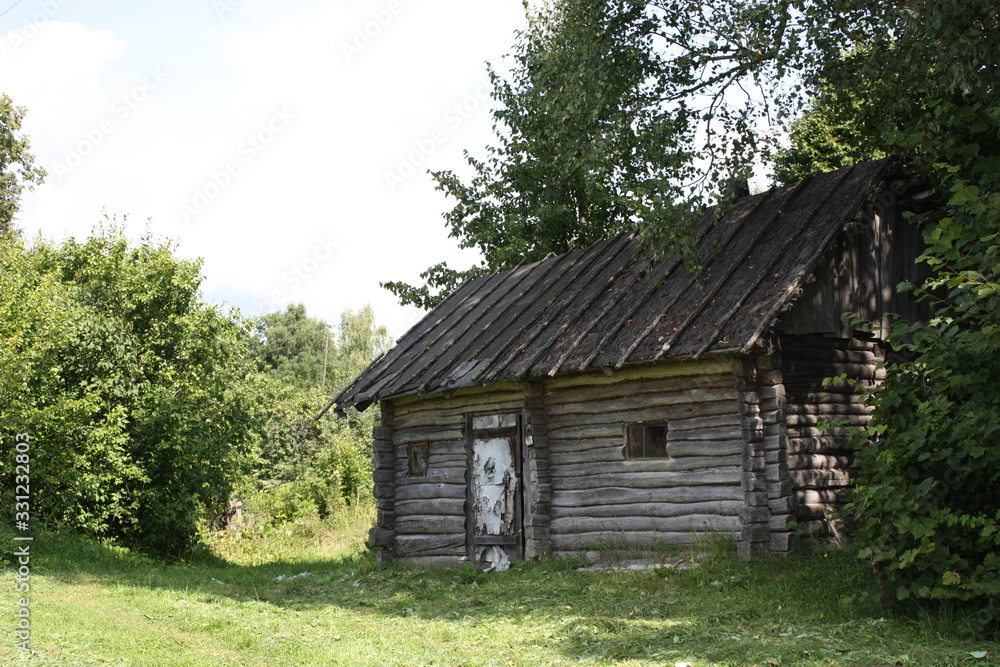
{"x":316,"y":596}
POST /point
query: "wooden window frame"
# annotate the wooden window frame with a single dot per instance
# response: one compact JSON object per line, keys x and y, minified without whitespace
{"x":644,"y":452}
{"x":412,"y":458}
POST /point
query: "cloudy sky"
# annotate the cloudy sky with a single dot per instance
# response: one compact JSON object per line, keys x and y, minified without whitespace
{"x":285,"y":143}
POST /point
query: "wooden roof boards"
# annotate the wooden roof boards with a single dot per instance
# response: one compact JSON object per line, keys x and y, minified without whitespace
{"x":597,"y":307}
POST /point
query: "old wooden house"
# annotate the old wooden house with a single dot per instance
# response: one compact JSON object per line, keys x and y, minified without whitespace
{"x":579,"y":401}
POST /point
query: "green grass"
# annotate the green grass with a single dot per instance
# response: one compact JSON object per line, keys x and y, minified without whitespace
{"x":94,"y":604}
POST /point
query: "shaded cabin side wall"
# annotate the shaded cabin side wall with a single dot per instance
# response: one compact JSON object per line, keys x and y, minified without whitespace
{"x":601,"y":499}
{"x":429,"y":513}
{"x":819,"y":459}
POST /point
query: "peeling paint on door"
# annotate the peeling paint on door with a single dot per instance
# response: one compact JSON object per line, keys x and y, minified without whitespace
{"x":494,"y":491}
{"x":494,"y":485}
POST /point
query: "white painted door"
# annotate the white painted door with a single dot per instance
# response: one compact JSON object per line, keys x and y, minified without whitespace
{"x":494,"y":491}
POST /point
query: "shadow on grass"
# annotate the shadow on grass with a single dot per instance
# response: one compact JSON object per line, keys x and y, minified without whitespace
{"x":803,"y":609}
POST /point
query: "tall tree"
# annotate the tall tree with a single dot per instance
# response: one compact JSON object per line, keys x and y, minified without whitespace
{"x":17,"y":164}
{"x":292,"y":346}
{"x":584,"y":148}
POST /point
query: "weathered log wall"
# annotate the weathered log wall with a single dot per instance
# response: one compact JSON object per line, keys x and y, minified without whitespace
{"x":819,"y":459}
{"x":429,"y":511}
{"x":599,"y":498}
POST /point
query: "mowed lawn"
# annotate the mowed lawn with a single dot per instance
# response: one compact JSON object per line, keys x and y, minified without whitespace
{"x":312,"y":595}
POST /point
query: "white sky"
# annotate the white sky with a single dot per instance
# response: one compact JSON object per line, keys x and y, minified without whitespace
{"x":286,"y":143}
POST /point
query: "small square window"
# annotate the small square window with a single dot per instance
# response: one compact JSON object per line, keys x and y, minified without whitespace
{"x":646,"y":441}
{"x":419,"y":453}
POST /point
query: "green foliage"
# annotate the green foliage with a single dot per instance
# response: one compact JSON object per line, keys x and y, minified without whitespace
{"x":308,"y":466}
{"x":302,"y":351}
{"x":292,"y":346}
{"x":17,"y":170}
{"x":139,"y":398}
{"x":927,"y":505}
{"x":840,"y":128}
{"x":584,"y":148}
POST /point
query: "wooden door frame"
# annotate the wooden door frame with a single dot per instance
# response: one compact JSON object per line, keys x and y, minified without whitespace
{"x":514,"y":544}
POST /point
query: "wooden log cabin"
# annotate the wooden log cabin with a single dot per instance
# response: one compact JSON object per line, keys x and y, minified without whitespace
{"x":584,"y":400}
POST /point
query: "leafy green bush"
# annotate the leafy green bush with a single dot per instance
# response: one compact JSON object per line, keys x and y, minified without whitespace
{"x":141,"y":401}
{"x":927,"y":501}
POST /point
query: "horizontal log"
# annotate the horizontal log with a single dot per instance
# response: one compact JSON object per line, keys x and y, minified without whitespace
{"x":729,"y":419}
{"x":717,"y":507}
{"x":631,"y":495}
{"x":603,"y":469}
{"x":819,"y":479}
{"x":814,"y":497}
{"x":500,"y":397}
{"x":705,"y":448}
{"x":430,"y":524}
{"x":565,"y":454}
{"x":823,"y":408}
{"x":454,"y":474}
{"x":818,"y":462}
{"x":816,"y":384}
{"x":651,"y":413}
{"x":638,"y":387}
{"x":821,"y":396}
{"x":426,"y":489}
{"x":436,"y":561}
{"x":626,"y":525}
{"x":436,"y":506}
{"x":815,"y":419}
{"x":814,"y":369}
{"x":568,"y":455}
{"x":441,"y":432}
{"x":818,"y":445}
{"x":815,"y":431}
{"x":723,"y":475}
{"x":430,"y":545}
{"x":688,"y":371}
{"x":694,"y":398}
{"x":571,"y":542}
{"x":446,"y":460}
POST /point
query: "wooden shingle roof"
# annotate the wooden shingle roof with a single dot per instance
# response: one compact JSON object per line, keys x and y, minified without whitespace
{"x":597,"y":307}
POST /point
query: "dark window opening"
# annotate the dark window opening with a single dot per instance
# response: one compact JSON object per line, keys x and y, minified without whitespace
{"x":419,"y":454}
{"x":646,"y":441}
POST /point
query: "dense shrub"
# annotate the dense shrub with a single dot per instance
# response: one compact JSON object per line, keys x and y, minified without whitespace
{"x":927,"y":501}
{"x":141,"y":400}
